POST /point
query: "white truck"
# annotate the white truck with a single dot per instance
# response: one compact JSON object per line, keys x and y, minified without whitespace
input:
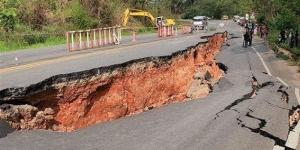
{"x":198,"y":23}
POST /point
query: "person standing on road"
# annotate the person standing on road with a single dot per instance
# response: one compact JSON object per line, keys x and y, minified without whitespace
{"x":252,"y":25}
{"x":247,"y":25}
{"x":264,"y":32}
{"x":255,"y":29}
{"x":261,"y":31}
{"x":205,"y":24}
{"x":250,"y":33}
{"x":246,"y":39}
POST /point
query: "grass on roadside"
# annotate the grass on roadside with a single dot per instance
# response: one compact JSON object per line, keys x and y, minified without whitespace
{"x":126,"y":32}
{"x":22,"y":43}
{"x":14,"y":45}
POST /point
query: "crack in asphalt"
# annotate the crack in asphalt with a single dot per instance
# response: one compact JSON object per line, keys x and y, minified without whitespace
{"x":275,"y":106}
{"x":259,"y":130}
{"x":236,"y":102}
{"x":236,"y":111}
{"x":255,"y":87}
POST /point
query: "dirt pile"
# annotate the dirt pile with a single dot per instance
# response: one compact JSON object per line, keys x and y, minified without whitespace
{"x":71,"y":101}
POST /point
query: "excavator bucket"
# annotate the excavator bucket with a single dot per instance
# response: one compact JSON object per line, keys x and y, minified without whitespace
{"x":170,"y":22}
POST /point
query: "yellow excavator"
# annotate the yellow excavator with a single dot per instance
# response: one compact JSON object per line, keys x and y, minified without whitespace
{"x":140,"y":13}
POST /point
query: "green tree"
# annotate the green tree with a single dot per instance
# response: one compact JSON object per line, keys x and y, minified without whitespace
{"x":8,"y":19}
{"x":286,"y":20}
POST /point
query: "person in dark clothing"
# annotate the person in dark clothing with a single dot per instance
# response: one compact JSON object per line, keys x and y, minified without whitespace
{"x":250,"y":33}
{"x":246,"y":39}
{"x":292,"y":40}
{"x":247,"y":27}
{"x":260,"y":31}
{"x":282,"y":36}
{"x":253,"y":26}
{"x":296,"y":38}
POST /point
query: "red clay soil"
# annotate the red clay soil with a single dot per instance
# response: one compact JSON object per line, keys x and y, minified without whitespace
{"x":124,"y":90}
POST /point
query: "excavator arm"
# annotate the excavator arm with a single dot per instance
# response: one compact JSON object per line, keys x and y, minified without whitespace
{"x":135,"y":12}
{"x":140,"y":13}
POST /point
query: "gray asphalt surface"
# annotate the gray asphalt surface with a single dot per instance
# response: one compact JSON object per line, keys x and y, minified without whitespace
{"x":223,"y":120}
{"x":96,"y":58}
{"x":30,"y":55}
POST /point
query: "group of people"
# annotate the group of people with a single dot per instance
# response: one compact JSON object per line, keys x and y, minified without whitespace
{"x":249,"y":27}
{"x":263,"y":31}
{"x":290,"y":36}
{"x":252,"y":28}
{"x":285,"y":36}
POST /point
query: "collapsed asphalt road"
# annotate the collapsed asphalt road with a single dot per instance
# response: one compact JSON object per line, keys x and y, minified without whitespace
{"x":72,"y":101}
{"x":227,"y":119}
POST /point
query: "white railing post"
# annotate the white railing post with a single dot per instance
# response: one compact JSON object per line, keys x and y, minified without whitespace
{"x":109,"y":35}
{"x":72,"y":40}
{"x":68,"y":41}
{"x":87,"y":39}
{"x":94,"y":41}
{"x":105,"y":42}
{"x":80,"y":42}
{"x":120,"y":33}
{"x":100,"y":36}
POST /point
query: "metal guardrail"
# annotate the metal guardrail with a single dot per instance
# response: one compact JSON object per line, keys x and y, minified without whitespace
{"x":93,"y":38}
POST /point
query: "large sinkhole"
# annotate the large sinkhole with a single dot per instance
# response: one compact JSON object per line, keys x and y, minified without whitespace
{"x":71,"y":101}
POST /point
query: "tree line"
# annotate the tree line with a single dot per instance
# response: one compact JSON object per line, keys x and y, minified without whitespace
{"x":59,"y":15}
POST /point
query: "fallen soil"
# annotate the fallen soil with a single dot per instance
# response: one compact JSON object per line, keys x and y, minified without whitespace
{"x":71,"y":101}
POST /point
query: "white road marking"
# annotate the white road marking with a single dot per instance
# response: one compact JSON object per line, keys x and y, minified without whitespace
{"x":297,"y":128}
{"x":297,"y":95}
{"x":277,"y":147}
{"x":292,"y":140}
{"x":284,"y":83}
{"x":263,"y":62}
{"x":293,"y":136}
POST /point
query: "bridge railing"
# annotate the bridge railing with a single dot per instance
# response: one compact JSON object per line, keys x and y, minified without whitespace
{"x":93,"y":38}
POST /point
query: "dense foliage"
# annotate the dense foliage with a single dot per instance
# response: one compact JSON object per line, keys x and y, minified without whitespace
{"x":58,"y":16}
{"x":82,"y":14}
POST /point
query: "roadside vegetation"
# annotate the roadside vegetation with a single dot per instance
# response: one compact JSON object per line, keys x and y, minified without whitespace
{"x":34,"y":23}
{"x":280,"y":16}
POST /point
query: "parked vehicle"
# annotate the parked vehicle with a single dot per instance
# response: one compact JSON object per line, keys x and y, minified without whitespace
{"x":236,"y":18}
{"x":242,"y":21}
{"x":198,"y":23}
{"x":225,"y":17}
